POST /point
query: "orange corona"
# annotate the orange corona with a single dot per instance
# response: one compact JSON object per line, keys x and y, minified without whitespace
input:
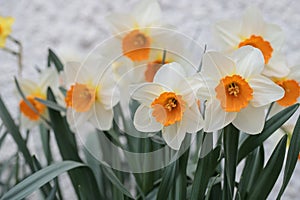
{"x":258,"y":42}
{"x":234,"y":93}
{"x":168,"y":108}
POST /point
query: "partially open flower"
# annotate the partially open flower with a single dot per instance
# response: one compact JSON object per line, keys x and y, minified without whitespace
{"x":5,"y":29}
{"x":91,"y":95}
{"x":291,"y":86}
{"x":254,"y":31}
{"x":168,"y":104}
{"x":236,"y":91}
{"x":31,"y":114}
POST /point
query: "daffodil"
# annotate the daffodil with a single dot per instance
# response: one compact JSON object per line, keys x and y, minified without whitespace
{"x":254,"y":31}
{"x":235,"y":90}
{"x":32,"y":115}
{"x":91,"y":95}
{"x":291,"y":86}
{"x":5,"y":29}
{"x":168,"y":104}
{"x":138,"y":30}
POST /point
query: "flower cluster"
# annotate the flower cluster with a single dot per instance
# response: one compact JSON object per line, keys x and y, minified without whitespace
{"x":175,"y":95}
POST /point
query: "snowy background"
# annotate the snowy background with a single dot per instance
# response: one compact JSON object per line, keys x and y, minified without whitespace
{"x":73,"y":27}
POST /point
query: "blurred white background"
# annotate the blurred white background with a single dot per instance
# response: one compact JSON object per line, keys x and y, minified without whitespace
{"x":73,"y":27}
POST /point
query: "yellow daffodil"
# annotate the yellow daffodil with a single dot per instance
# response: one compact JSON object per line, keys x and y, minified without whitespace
{"x":91,"y":95}
{"x":31,"y":89}
{"x":236,"y":91}
{"x":5,"y":29}
{"x":168,"y":104}
{"x":254,"y":31}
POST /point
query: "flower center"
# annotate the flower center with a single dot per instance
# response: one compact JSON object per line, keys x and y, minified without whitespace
{"x":258,"y":42}
{"x":234,"y":93}
{"x":80,"y":97}
{"x":136,"y":46}
{"x":168,"y":108}
{"x":291,"y":92}
{"x":30,"y":113}
{"x":152,"y":68}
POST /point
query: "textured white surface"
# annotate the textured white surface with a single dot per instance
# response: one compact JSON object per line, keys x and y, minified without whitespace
{"x":73,"y":27}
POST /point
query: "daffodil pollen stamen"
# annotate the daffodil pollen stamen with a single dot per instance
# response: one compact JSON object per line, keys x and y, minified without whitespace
{"x":40,"y":108}
{"x":291,"y":92}
{"x":259,"y":42}
{"x":234,"y":93}
{"x":168,"y":108}
{"x":80,"y":97}
{"x":136,"y":45}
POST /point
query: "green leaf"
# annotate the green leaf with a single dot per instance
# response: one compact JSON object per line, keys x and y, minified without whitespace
{"x":52,"y":58}
{"x":253,"y":141}
{"x":83,"y":180}
{"x":253,"y":166}
{"x":115,"y":181}
{"x":14,"y":131}
{"x":167,"y":181}
{"x":38,"y":179}
{"x":268,"y":176}
{"x":51,"y":104}
{"x":45,"y":138}
{"x":292,"y":157}
{"x":181,"y":181}
{"x":47,"y":187}
{"x":205,"y":169}
{"x":231,"y":142}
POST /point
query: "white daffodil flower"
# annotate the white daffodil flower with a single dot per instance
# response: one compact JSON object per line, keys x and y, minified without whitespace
{"x":91,"y":95}
{"x":236,"y":91}
{"x":254,"y":31}
{"x":168,"y":104}
{"x":36,"y":89}
{"x":138,"y":31}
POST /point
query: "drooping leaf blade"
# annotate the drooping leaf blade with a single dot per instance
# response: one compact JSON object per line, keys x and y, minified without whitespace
{"x":38,"y":179}
{"x":52,"y":58}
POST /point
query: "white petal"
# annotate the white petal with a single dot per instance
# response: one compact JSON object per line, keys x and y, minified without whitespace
{"x":250,"y":119}
{"x":216,"y":65}
{"x":27,"y":86}
{"x":253,"y":22}
{"x":274,"y":35}
{"x":102,"y":118}
{"x":192,"y":120}
{"x":49,"y":77}
{"x":265,"y":91}
{"x":26,"y":123}
{"x":215,"y":117}
{"x":120,"y":22}
{"x":73,"y":73}
{"x":227,"y":34}
{"x":295,"y":73}
{"x":144,"y":121}
{"x":77,"y":119}
{"x":171,"y":76}
{"x":207,"y":87}
{"x":147,"y":13}
{"x":249,"y":61}
{"x":277,"y":66}
{"x":147,"y":92}
{"x":174,"y":135}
